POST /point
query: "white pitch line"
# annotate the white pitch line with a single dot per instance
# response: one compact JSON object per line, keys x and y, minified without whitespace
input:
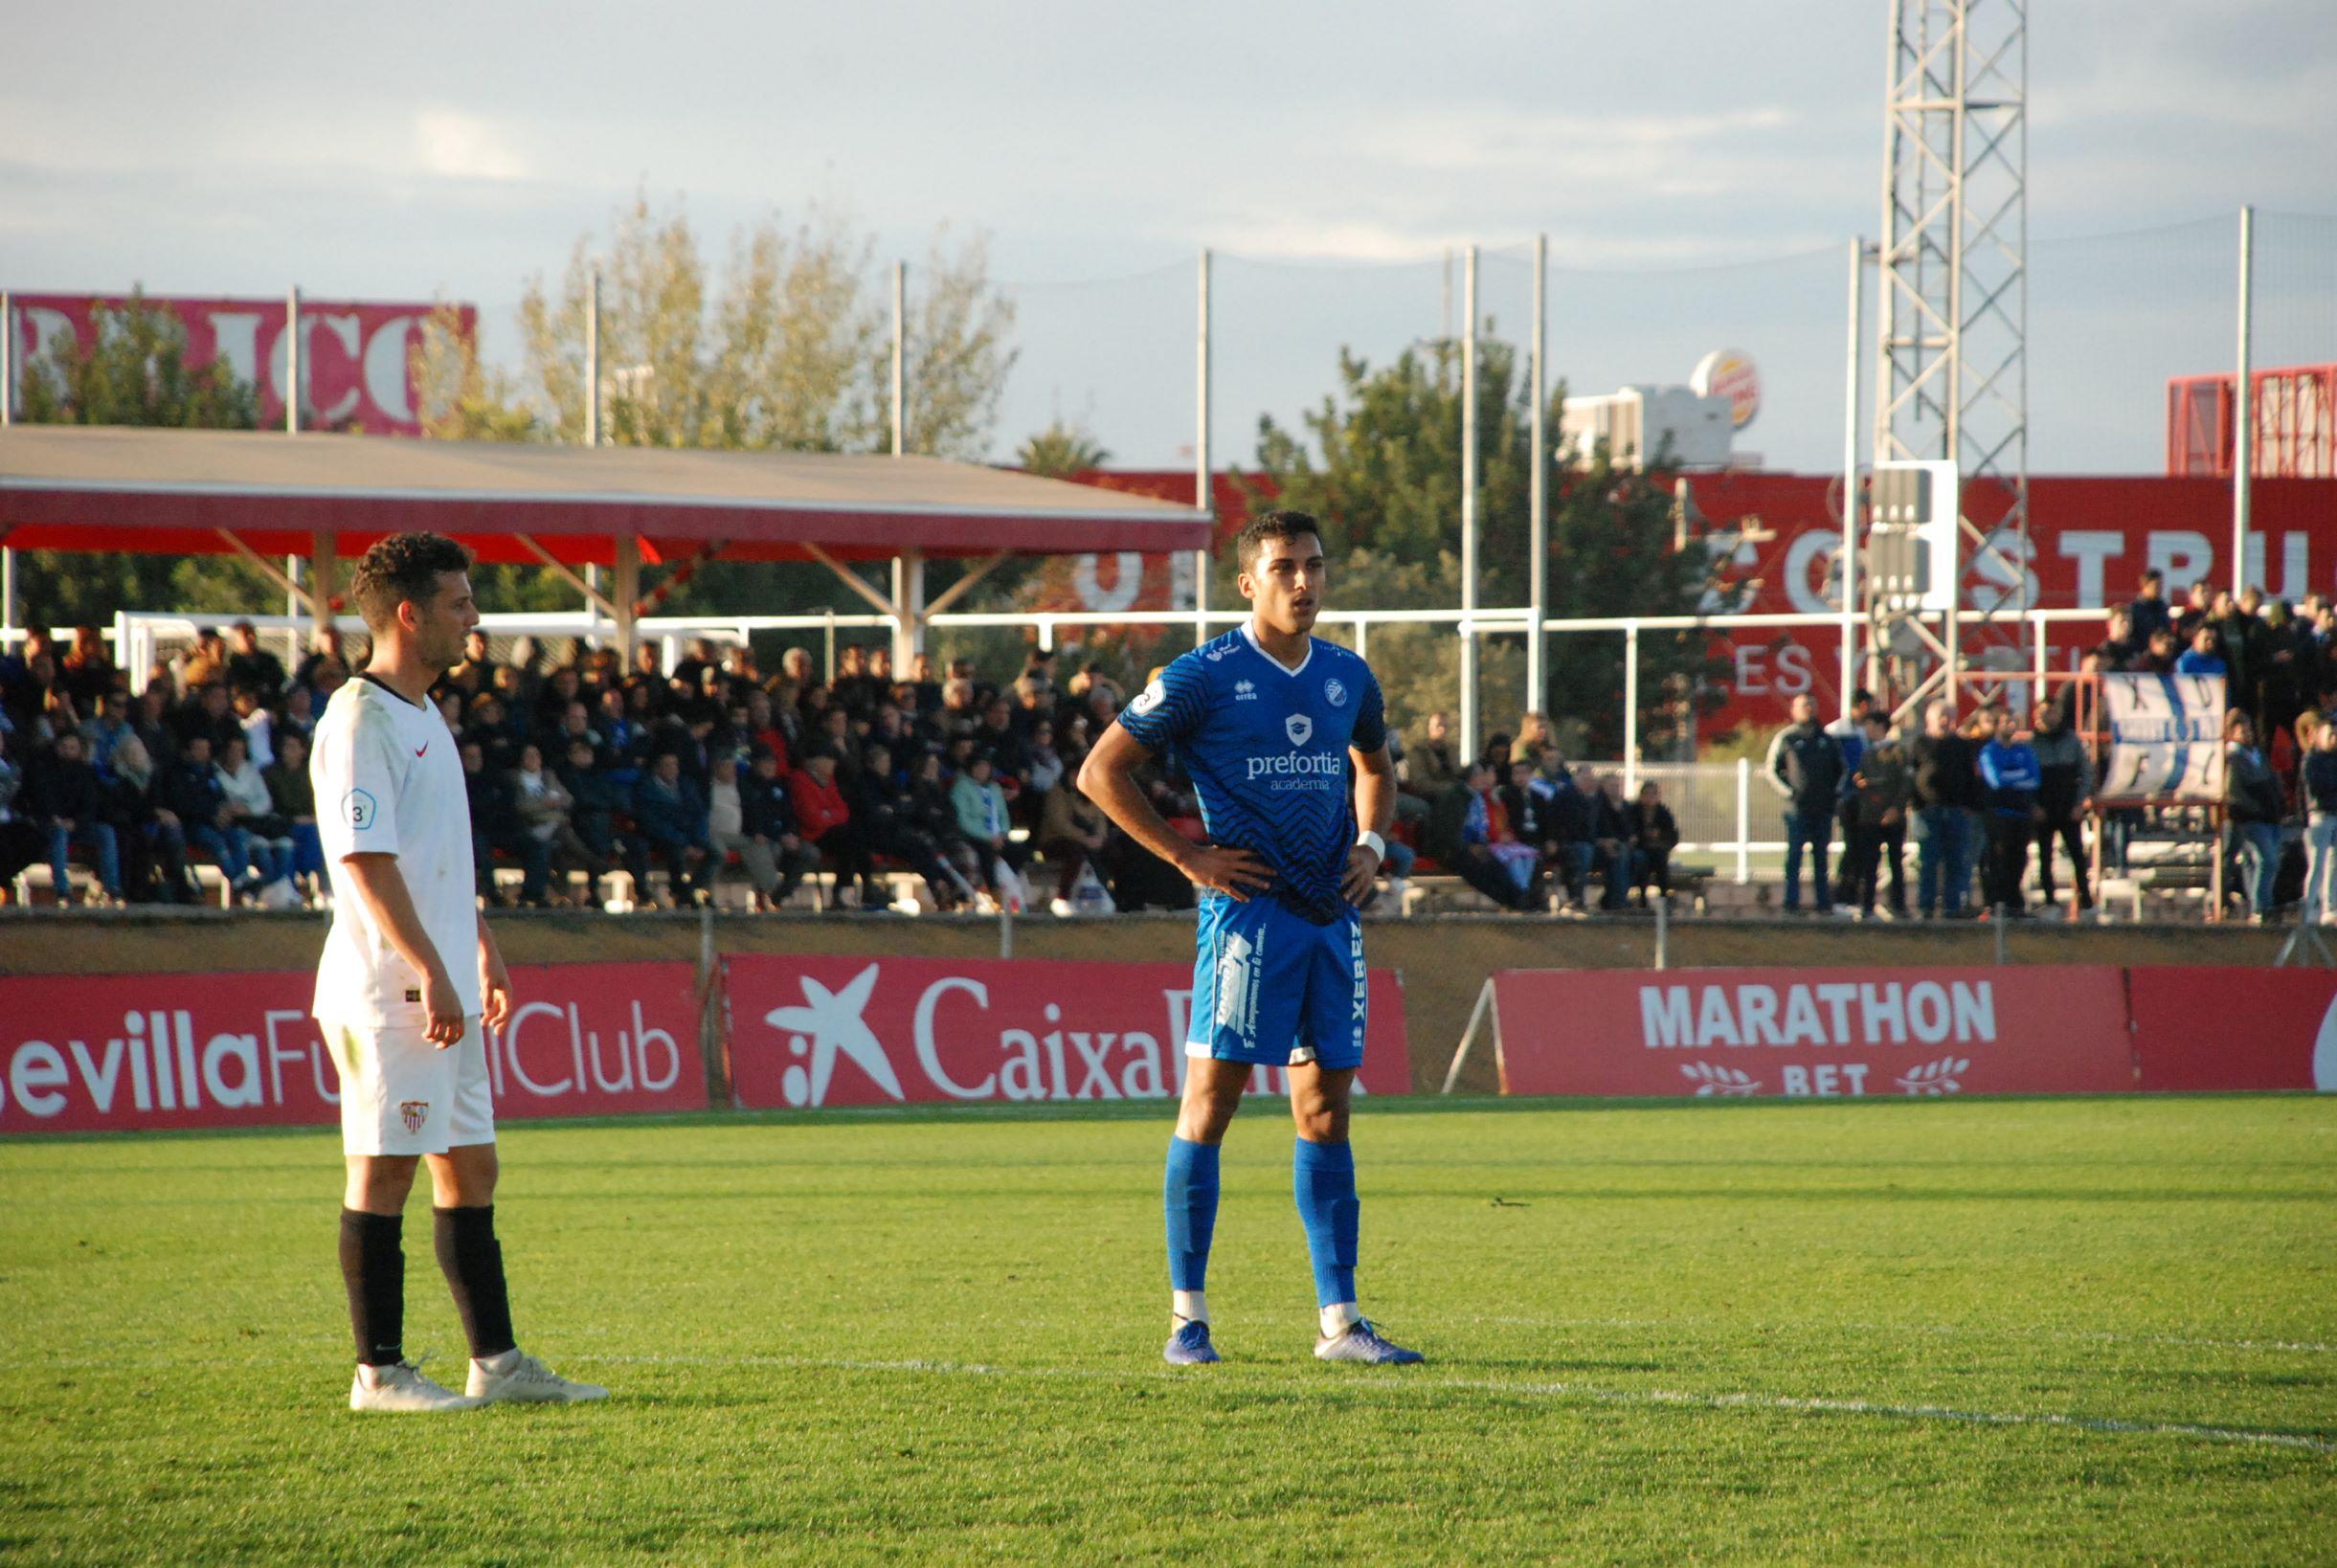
{"x":1587,"y":1393}
{"x":1944,"y":1330}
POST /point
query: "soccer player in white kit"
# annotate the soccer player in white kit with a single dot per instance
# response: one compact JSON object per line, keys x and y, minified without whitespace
{"x":410,"y":982}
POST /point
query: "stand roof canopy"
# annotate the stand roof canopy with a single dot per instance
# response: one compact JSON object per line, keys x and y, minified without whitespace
{"x":185,"y":492}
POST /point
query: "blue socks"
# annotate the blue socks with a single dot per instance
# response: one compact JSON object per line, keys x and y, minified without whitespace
{"x":1189,"y":1193}
{"x":1323,"y":1177}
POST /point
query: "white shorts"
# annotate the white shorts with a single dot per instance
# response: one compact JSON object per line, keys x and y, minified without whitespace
{"x":400,"y":1094}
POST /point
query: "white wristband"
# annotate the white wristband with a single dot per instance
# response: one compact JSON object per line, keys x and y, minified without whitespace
{"x":1374,"y":842}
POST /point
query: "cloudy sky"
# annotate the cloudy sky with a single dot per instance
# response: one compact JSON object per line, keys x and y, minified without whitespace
{"x":1697,"y":165}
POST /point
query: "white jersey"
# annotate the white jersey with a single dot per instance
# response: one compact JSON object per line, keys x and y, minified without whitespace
{"x":389,"y":781}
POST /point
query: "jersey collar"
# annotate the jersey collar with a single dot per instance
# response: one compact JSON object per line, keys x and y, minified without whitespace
{"x":1251,"y":637}
{"x":380,"y":685}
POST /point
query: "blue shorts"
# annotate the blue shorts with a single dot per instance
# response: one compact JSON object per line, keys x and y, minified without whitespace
{"x":1269,"y":986}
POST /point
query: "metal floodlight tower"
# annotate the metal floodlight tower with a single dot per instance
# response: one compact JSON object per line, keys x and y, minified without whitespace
{"x":1952,"y":372}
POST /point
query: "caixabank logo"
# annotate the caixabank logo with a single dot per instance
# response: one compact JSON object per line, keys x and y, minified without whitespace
{"x":812,"y":1031}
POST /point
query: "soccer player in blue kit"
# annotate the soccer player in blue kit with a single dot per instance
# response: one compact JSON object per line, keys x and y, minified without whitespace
{"x":1270,"y":722}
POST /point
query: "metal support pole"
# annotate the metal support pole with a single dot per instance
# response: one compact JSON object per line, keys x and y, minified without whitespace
{"x":1204,"y":498}
{"x":908,"y":607}
{"x":1631,"y":714}
{"x":628,"y":594}
{"x":1849,"y":480}
{"x":2243,"y":404}
{"x":324,"y":574}
{"x":592,"y":362}
{"x":292,"y":363}
{"x":1744,"y":820}
{"x":292,"y":587}
{"x":1538,"y":515}
{"x":900,"y":358}
{"x":7,"y":360}
{"x":1469,"y":507}
{"x":8,"y":593}
{"x":1663,"y":930}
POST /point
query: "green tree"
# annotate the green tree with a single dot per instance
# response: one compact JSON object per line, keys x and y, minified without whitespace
{"x":133,"y":372}
{"x":1061,"y":449}
{"x":1379,"y":460}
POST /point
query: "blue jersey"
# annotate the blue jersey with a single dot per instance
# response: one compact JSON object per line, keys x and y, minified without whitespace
{"x":1265,"y":746}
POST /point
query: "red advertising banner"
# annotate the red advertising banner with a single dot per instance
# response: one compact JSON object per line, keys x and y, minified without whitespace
{"x":356,"y":357}
{"x":1813,"y":1033}
{"x":83,"y":1052}
{"x":2203,"y":1028}
{"x":855,"y":1031}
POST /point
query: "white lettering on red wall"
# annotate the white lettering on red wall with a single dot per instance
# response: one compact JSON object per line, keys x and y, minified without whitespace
{"x":356,"y":356}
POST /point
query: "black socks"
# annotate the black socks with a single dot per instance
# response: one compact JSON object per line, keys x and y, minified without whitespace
{"x":473,"y":1262}
{"x":374,"y":1266}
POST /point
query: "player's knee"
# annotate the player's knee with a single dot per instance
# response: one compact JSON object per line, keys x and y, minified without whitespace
{"x":379,"y":1183}
{"x":1321,"y":1121}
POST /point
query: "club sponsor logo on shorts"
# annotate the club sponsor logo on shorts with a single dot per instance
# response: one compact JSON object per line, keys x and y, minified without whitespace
{"x":1334,"y":692}
{"x":360,"y":807}
{"x":414,"y":1114}
{"x":1237,"y":985}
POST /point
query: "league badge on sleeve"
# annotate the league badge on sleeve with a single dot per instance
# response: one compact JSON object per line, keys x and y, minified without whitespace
{"x":1148,"y":699}
{"x":359,"y":807}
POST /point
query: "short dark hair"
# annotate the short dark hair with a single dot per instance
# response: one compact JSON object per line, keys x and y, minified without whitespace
{"x":1250,"y":543}
{"x":403,"y":567}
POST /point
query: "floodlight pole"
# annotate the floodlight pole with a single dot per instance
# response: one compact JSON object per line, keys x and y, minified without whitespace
{"x":2243,"y":405}
{"x":1468,"y":507}
{"x":1204,"y":498}
{"x":292,"y":363}
{"x":1537,"y":524}
{"x":1849,"y":480}
{"x":7,"y":418}
{"x":900,"y":358}
{"x":591,"y":361}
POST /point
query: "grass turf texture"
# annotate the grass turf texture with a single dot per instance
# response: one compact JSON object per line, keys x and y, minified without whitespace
{"x":863,"y":1336}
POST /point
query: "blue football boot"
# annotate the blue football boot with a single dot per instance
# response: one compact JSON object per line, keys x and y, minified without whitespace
{"x":1361,"y":1342}
{"x":1189,"y":1345}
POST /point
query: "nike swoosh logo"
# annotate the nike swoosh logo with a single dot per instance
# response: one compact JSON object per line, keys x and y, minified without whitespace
{"x":420,"y":750}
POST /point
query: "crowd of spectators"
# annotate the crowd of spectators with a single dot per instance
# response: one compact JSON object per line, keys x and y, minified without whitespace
{"x":580,"y":769}
{"x":1982,"y":789}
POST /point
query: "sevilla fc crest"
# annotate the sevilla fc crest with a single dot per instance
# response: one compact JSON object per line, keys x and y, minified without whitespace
{"x":414,"y":1114}
{"x":1301,"y":728}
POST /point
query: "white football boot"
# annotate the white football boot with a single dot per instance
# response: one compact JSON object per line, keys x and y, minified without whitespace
{"x":403,"y":1389}
{"x":526,"y":1380}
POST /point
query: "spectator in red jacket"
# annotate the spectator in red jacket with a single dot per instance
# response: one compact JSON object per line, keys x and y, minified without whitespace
{"x":825,"y":819}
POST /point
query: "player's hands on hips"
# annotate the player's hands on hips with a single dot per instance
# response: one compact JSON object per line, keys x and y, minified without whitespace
{"x":494,"y":991}
{"x":444,"y":1005}
{"x":1361,"y":867}
{"x":1236,"y":873}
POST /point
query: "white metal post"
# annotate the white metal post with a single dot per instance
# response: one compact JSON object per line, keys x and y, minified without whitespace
{"x":591,"y":361}
{"x":900,"y":358}
{"x":1631,"y":714}
{"x":1204,"y":499}
{"x":2243,"y":404}
{"x":909,"y":599}
{"x":8,"y":595}
{"x":7,"y":360}
{"x":292,"y":363}
{"x":1849,"y":482}
{"x":1468,"y":505}
{"x":1537,"y":517}
{"x":1744,"y":820}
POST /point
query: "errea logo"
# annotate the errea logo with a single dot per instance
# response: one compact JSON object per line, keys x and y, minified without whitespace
{"x":1245,"y":690}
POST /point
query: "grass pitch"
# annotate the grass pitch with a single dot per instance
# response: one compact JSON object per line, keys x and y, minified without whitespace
{"x":2011,"y":1329}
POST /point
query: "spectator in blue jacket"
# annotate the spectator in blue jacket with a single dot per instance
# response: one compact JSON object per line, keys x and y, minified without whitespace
{"x":196,"y":815}
{"x":669,"y":819}
{"x":2317,"y":782}
{"x":2204,"y":656}
{"x":2254,"y":806}
{"x":2010,"y":779}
